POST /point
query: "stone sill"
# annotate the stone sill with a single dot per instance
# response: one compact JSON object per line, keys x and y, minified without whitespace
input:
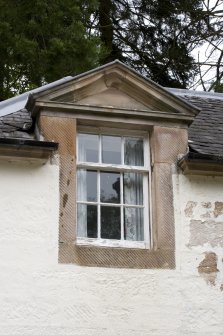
{"x":107,"y":243}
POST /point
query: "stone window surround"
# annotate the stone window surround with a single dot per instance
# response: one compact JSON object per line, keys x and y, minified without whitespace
{"x":168,"y":139}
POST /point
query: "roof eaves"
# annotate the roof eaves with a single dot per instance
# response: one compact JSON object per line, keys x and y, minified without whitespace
{"x":197,"y":163}
{"x":26,"y":149}
{"x":17,"y":103}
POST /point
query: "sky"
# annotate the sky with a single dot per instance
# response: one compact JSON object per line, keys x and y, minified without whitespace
{"x":204,"y":53}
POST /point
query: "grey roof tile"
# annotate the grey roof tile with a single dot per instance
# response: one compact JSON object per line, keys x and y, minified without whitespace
{"x":206,"y":132}
{"x":16,"y":125}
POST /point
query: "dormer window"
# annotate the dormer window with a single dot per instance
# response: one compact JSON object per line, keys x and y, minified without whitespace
{"x":114,"y":210}
{"x":112,"y":189}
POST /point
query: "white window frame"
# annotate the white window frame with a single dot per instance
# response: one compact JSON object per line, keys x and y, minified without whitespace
{"x":101,"y":242}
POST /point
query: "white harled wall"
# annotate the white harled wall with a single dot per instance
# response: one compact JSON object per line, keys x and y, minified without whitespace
{"x":39,"y":296}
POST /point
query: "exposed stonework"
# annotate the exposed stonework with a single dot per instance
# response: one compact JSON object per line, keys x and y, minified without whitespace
{"x":208,"y":268}
{"x":205,"y":222}
{"x":189,"y":208}
{"x":207,"y":231}
{"x":218,"y":210}
{"x":206,"y":215}
{"x":206,"y":204}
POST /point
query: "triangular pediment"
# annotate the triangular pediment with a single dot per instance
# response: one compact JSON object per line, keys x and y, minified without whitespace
{"x":114,"y":98}
{"x":115,"y":85}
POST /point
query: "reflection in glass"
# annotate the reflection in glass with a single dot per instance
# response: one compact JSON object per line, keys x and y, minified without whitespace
{"x":87,"y":185}
{"x":110,"y":222}
{"x":111,"y":149}
{"x":87,"y":220}
{"x":110,"y":187}
{"x":133,"y":224}
{"x":133,"y":188}
{"x":88,"y":148}
{"x":133,"y":151}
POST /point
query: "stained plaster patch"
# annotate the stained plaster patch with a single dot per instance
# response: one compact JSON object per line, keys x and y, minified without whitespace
{"x":206,"y":204}
{"x":206,"y":223}
{"x":189,"y":209}
{"x":208,"y":268}
{"x":218,"y":210}
{"x":208,"y":231}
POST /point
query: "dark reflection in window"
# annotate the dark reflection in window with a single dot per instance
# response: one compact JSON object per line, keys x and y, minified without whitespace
{"x":110,"y":187}
{"x":91,"y":186}
{"x":111,"y":149}
{"x":110,"y":222}
{"x":87,"y":220}
{"x":92,"y":221}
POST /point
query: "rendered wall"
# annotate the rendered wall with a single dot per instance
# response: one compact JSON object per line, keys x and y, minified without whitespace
{"x":39,"y":296}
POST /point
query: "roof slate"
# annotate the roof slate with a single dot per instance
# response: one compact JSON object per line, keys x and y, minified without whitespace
{"x":16,"y":125}
{"x":206,"y":132}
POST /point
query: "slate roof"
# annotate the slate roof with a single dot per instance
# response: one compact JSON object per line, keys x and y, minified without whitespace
{"x":205,"y":133}
{"x":17,"y":125}
{"x":15,"y":121}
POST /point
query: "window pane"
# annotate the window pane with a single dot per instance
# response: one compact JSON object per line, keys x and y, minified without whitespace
{"x":87,"y":185}
{"x":110,"y":222}
{"x":110,"y":187}
{"x":86,"y":220}
{"x":133,"y":188}
{"x":88,"y":148}
{"x":133,"y":151}
{"x":133,"y":224}
{"x":111,"y":149}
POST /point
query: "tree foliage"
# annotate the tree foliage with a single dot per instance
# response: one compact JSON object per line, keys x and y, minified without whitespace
{"x":44,"y":40}
{"x":154,"y":37}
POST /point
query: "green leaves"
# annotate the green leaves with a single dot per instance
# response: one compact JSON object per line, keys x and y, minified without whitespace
{"x":154,"y":37}
{"x":42,"y":41}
